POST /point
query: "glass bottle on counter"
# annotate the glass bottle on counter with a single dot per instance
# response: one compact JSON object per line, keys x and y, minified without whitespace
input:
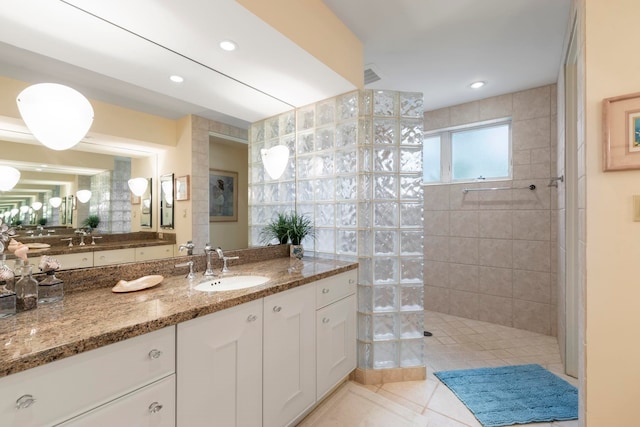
{"x":50,"y":289}
{"x":26,"y":290}
{"x":7,"y":294}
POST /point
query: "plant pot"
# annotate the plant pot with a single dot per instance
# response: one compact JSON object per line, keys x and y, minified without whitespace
{"x":296,"y":251}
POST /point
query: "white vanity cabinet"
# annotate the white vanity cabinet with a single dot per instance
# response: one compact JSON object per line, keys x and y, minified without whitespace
{"x":335,"y":330}
{"x":58,"y":391}
{"x":113,"y":256}
{"x":147,"y":253}
{"x":69,"y":261}
{"x":289,"y":377}
{"x":219,"y":365}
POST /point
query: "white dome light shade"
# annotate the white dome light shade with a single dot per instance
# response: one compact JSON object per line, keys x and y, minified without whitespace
{"x":167,"y":189}
{"x":58,"y":116}
{"x":275,"y":160}
{"x":9,"y":177}
{"x":14,"y":211}
{"x":83,"y":195}
{"x":55,"y":202}
{"x":24,"y":209}
{"x":36,"y":206}
{"x":138,"y":185}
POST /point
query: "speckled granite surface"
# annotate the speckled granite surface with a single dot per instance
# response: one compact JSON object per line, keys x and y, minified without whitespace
{"x":92,"y":318}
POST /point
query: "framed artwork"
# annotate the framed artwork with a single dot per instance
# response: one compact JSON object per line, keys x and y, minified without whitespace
{"x":182,"y":188}
{"x":223,"y":195}
{"x":621,"y":126}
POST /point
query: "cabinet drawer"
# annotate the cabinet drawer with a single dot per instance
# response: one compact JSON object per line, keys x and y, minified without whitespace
{"x":154,"y":252}
{"x":333,"y":288}
{"x":68,"y":261}
{"x":152,"y":406}
{"x":71,"y":386}
{"x":114,"y":256}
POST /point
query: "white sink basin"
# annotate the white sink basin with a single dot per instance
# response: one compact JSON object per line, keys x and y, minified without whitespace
{"x":231,"y":283}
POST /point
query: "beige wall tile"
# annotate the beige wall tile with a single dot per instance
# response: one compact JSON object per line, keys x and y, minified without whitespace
{"x":436,"y":197}
{"x":436,"y":223}
{"x":496,"y":107}
{"x":521,"y":157}
{"x":495,"y":199}
{"x":463,"y":277}
{"x":465,"y":113}
{"x":532,"y":133}
{"x":532,"y":103}
{"x":532,"y":286}
{"x":495,"y":281}
{"x":436,"y":299}
{"x":522,"y":171}
{"x":495,"y":253}
{"x":532,"y":255}
{"x":463,"y":223}
{"x":462,"y":201}
{"x":541,"y":155}
{"x":437,"y":119}
{"x":495,"y":224}
{"x":436,"y":248}
{"x":540,"y":198}
{"x":436,"y":273}
{"x":464,"y":304}
{"x":532,"y":225}
{"x":463,"y":250}
{"x":532,"y":316}
{"x":495,"y":309}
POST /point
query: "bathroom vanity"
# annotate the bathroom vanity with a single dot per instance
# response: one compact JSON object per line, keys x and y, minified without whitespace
{"x":172,"y":355}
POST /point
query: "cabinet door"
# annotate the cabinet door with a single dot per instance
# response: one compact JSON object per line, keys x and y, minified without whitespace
{"x":151,"y":406}
{"x":81,"y":260}
{"x":289,"y":355}
{"x":219,"y":368}
{"x":147,"y":253}
{"x":113,"y":256}
{"x":336,"y":341}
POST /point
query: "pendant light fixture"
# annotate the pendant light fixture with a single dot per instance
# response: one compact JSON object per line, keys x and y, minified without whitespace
{"x":55,"y":202}
{"x":83,"y":195}
{"x":57,"y":115}
{"x":36,"y":206}
{"x":138,"y":185}
{"x":9,"y":177}
{"x":275,"y":160}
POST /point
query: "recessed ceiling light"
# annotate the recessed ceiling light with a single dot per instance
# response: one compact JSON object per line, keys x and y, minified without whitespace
{"x":477,"y":85}
{"x":38,"y":169}
{"x":176,"y":79}
{"x":228,"y":45}
{"x":43,"y":166}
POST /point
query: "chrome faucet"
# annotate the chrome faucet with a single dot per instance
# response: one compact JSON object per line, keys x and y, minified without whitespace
{"x":191,"y":274}
{"x":81,"y":233}
{"x":189,"y":246}
{"x":224,"y":259}
{"x":40,"y":230}
{"x":208,"y":250}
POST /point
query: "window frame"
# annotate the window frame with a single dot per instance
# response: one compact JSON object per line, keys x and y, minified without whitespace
{"x":446,"y":160}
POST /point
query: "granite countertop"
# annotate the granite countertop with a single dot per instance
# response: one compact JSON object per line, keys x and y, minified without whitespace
{"x":93,"y":318}
{"x":58,"y":250}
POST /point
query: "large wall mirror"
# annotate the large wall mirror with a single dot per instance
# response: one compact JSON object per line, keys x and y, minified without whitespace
{"x":166,"y":201}
{"x":146,"y":202}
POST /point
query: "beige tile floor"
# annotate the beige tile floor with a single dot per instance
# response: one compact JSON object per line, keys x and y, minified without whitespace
{"x":457,"y":343}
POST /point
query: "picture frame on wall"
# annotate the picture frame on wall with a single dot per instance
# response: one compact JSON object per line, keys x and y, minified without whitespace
{"x":223,"y":195}
{"x":621,"y":128}
{"x":182,"y":188}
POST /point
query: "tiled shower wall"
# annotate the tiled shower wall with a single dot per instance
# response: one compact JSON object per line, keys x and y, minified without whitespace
{"x":492,"y":255}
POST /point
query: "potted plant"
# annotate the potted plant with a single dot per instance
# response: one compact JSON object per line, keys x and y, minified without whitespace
{"x":277,"y":229}
{"x":91,"y":221}
{"x":300,"y":226}
{"x":42,"y":221}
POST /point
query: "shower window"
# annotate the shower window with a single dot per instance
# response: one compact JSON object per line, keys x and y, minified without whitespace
{"x":470,"y":153}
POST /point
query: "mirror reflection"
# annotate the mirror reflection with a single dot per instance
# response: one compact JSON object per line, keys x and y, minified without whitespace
{"x":166,"y":201}
{"x":145,"y":206}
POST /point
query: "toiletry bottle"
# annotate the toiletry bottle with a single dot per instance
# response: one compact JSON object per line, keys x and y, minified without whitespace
{"x":7,"y":295}
{"x":26,"y":290}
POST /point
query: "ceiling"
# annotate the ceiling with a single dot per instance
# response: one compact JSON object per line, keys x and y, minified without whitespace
{"x":122,"y":52}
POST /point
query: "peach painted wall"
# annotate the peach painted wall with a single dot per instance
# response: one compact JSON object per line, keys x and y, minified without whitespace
{"x":612,"y":312}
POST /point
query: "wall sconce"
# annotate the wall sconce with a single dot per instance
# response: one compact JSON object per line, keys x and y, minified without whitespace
{"x":275,"y":160}
{"x":36,"y":206}
{"x":57,"y":115}
{"x":83,"y":195}
{"x":24,"y":209}
{"x":138,"y":186}
{"x":55,"y":202}
{"x":9,"y":177}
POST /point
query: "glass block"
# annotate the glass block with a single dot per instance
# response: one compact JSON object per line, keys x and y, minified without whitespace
{"x":324,"y":164}
{"x":385,"y":243}
{"x":346,"y":161}
{"x":305,"y":167}
{"x":325,"y":240}
{"x":365,"y":131}
{"x":348,"y":106}
{"x":365,"y":300}
{"x":257,"y":131}
{"x":385,"y":355}
{"x":365,"y":242}
{"x":307,"y":209}
{"x":289,"y":173}
{"x":306,"y":117}
{"x":385,"y":214}
{"x":411,"y":104}
{"x":410,"y":159}
{"x":346,"y":187}
{"x":412,"y":270}
{"x":385,"y":298}
{"x":385,"y":103}
{"x":365,"y":271}
{"x":325,"y":215}
{"x":412,"y":298}
{"x":287,"y":123}
{"x":365,"y":159}
{"x":365,"y":355}
{"x":346,"y":134}
{"x":255,"y":156}
{"x":272,"y":128}
{"x":411,"y":325}
{"x":411,"y":187}
{"x":324,"y":138}
{"x":347,"y":215}
{"x":385,"y":159}
{"x":411,"y":214}
{"x":366,"y":102}
{"x":272,"y":192}
{"x":384,"y":327}
{"x":288,"y":191}
{"x":347,"y":242}
{"x":325,"y":189}
{"x":365,"y":327}
{"x":325,"y":112}
{"x":386,"y":187}
{"x":385,"y":271}
{"x":412,"y":242}
{"x":365,"y":187}
{"x":306,"y":142}
{"x":411,"y":131}
{"x":412,"y":353}
{"x":259,"y":215}
{"x":289,"y":141}
{"x":384,"y":131}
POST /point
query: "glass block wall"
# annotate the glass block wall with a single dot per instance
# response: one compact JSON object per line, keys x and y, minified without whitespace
{"x":355,"y":169}
{"x":110,"y":198}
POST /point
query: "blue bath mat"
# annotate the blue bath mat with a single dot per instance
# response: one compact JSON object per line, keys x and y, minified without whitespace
{"x":513,"y":394}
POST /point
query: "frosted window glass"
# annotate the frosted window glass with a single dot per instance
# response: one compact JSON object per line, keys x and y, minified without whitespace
{"x":431,"y":159}
{"x":482,"y":152}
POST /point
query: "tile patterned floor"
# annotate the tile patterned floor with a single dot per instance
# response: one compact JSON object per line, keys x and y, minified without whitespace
{"x":457,"y":343}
